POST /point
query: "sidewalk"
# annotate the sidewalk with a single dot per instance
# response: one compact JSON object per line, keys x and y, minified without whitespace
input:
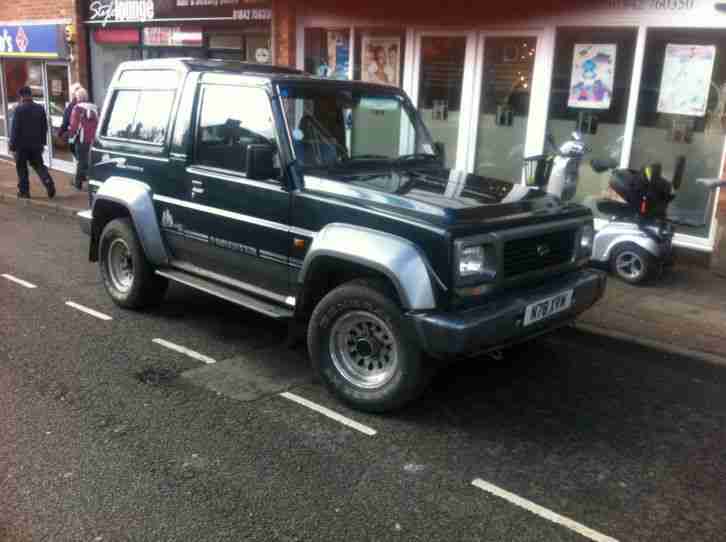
{"x":67,"y":200}
{"x":683,"y":312}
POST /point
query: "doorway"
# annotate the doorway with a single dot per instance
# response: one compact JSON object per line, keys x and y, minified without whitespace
{"x":49,"y":83}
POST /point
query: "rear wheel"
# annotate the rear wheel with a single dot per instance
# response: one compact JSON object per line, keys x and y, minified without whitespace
{"x":358,"y":345}
{"x":127,"y":276}
{"x":632,"y":263}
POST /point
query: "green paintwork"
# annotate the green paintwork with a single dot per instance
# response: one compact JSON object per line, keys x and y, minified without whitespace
{"x":423,"y":202}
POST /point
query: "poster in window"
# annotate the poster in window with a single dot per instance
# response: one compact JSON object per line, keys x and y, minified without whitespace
{"x":593,"y":73}
{"x":686,"y":80}
{"x":334,"y":63}
{"x":381,"y":59}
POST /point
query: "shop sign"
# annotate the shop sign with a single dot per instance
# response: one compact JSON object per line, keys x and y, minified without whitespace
{"x":120,"y":11}
{"x":31,"y":41}
{"x":170,"y":36}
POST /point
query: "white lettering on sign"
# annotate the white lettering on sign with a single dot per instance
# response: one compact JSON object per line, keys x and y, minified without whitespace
{"x":652,"y":5}
{"x":6,"y":42}
{"x":252,"y":14}
{"x":121,"y":10}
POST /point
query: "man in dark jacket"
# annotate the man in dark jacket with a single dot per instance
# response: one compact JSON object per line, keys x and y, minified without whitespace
{"x":28,"y":138}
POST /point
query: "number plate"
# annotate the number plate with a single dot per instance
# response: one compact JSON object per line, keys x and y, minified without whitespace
{"x":547,"y":307}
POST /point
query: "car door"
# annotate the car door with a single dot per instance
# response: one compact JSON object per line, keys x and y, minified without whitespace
{"x":239,"y":225}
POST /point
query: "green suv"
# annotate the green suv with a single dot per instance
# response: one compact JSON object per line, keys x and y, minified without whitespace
{"x":326,"y":204}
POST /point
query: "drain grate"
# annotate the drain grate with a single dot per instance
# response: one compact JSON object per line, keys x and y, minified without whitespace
{"x":157,"y":376}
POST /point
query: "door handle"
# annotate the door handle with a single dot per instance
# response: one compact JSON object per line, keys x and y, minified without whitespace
{"x":197,"y":188}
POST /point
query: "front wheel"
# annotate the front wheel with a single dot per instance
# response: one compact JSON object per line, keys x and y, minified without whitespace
{"x":127,"y":276}
{"x":358,"y":345}
{"x":632,"y":263}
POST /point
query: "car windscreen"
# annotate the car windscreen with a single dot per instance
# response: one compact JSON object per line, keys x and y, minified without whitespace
{"x":337,"y":126}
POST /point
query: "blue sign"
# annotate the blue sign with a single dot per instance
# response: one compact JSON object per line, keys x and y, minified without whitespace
{"x":31,"y":41}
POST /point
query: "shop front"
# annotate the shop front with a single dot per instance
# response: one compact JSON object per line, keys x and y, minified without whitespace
{"x":35,"y":55}
{"x":123,"y":30}
{"x":643,"y":81}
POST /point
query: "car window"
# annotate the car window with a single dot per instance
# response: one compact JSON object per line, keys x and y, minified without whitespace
{"x":141,"y":115}
{"x":230,"y":119}
{"x":122,"y":115}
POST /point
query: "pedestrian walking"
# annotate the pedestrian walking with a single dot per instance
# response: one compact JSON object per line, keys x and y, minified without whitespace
{"x":28,"y":138}
{"x":84,"y":121}
{"x":63,"y":132}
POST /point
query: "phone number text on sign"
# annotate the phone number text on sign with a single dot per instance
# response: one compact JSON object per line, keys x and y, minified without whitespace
{"x":252,"y":14}
{"x":654,"y":5}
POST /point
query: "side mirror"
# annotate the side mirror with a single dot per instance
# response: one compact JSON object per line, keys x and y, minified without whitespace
{"x":440,"y":150}
{"x":260,"y":162}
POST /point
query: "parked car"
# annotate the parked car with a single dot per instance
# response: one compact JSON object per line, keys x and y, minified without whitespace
{"x":325,"y":204}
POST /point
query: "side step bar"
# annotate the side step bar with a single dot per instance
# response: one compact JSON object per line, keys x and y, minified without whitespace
{"x":226,"y":293}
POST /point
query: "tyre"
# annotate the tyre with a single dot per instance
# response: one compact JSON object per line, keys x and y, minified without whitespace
{"x":359,"y":346}
{"x":632,"y":263}
{"x":127,"y":276}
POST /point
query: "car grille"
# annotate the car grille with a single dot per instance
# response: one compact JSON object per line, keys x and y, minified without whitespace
{"x":534,"y":253}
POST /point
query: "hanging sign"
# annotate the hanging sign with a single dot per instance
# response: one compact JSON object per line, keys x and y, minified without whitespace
{"x":686,"y":80}
{"x":593,"y":74}
{"x":44,"y":41}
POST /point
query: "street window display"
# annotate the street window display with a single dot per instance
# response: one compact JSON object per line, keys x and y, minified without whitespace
{"x":591,"y":79}
{"x":682,"y":112}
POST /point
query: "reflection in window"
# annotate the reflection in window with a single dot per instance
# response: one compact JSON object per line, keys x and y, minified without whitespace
{"x":121,"y":121}
{"x":141,"y":115}
{"x":504,"y":108}
{"x":440,"y":86}
{"x":231,"y":119}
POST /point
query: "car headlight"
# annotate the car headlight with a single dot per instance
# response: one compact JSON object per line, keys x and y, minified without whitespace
{"x":471,"y":261}
{"x":586,"y":238}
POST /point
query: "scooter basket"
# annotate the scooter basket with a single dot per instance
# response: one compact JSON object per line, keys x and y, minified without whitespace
{"x":537,"y":170}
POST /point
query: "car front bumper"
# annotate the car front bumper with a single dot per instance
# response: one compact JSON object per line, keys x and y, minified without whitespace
{"x":500,"y":322}
{"x":84,"y":219}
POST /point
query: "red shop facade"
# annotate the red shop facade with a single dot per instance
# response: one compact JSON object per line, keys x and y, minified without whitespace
{"x":120,"y":30}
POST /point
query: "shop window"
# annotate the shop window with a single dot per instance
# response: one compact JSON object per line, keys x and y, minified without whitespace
{"x":504,"y":108}
{"x":253,"y":48}
{"x":440,"y":85}
{"x":225,"y":132}
{"x":327,"y":52}
{"x":682,"y":112}
{"x":140,"y":115}
{"x":591,"y":80}
{"x":379,"y":55}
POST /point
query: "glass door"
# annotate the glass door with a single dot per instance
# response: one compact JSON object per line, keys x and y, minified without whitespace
{"x":507,"y":70}
{"x":19,"y":73}
{"x":441,"y":90}
{"x":58,"y":97}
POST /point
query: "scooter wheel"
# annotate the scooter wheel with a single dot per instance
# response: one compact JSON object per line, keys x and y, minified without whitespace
{"x":632,"y":263}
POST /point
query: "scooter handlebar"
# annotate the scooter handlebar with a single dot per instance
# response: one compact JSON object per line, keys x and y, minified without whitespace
{"x":601,"y":165}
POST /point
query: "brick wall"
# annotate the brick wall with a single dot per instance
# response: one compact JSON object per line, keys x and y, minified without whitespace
{"x":283,"y":29}
{"x":30,"y":10}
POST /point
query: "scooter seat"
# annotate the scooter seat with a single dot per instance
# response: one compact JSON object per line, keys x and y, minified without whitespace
{"x":614,"y":208}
